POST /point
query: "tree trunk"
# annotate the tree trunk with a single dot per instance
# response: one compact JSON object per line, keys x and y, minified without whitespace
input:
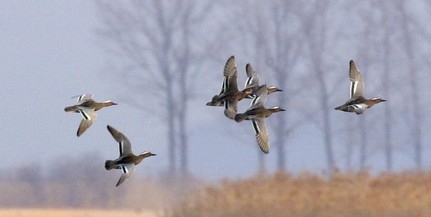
{"x":416,"y":126}
{"x":327,"y":130}
{"x":386,"y":43}
{"x":364,"y":144}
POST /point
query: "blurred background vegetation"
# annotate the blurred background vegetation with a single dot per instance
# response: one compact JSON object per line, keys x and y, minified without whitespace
{"x":280,"y":194}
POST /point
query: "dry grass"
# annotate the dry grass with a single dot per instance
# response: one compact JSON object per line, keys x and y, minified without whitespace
{"x":352,"y":194}
{"x":73,"y":213}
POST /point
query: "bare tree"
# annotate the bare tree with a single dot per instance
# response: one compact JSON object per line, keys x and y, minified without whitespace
{"x":315,"y":29}
{"x":252,"y":26}
{"x":409,"y":28}
{"x":388,"y":31}
{"x":281,"y":57}
{"x":367,"y":40}
{"x":272,"y":29}
{"x":156,"y":40}
{"x":394,"y":34}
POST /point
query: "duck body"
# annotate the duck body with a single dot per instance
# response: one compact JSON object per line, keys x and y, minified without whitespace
{"x":359,"y":105}
{"x":89,"y":104}
{"x":127,"y":159}
{"x":230,"y":101}
{"x":259,"y":112}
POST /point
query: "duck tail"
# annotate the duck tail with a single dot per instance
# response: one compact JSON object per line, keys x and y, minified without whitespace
{"x":110,"y":164}
{"x":345,"y":108}
{"x":71,"y":109}
{"x":240,"y":117}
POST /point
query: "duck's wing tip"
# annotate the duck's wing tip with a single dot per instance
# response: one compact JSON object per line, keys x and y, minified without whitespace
{"x":230,"y":67}
{"x":83,"y":126}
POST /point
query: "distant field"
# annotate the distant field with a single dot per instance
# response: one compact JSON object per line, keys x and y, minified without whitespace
{"x":73,"y":213}
{"x":360,"y":194}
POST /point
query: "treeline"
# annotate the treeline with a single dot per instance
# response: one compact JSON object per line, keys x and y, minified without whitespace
{"x":83,"y":183}
{"x":292,"y":45}
{"x":308,"y":195}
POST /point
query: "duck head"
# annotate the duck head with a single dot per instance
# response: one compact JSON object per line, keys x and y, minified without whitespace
{"x":377,"y":99}
{"x":143,"y":155}
{"x":374,"y":101}
{"x":277,"y":109}
{"x":147,"y":154}
{"x":109,"y":103}
{"x":273,"y":89}
{"x":103,"y":104}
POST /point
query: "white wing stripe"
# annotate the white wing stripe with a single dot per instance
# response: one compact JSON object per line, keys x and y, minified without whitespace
{"x":255,"y":126}
{"x":248,"y":81}
{"x":121,"y":147}
{"x":80,"y":97}
{"x":84,"y":115}
{"x":255,"y":99}
{"x":353,"y":87}
{"x":124,"y":168}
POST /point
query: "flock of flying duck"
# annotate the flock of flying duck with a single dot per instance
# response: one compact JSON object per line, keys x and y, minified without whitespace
{"x":256,"y":113}
{"x":127,"y":161}
{"x":228,"y":98}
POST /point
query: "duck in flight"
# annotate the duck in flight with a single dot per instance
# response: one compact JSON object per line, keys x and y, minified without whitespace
{"x":87,"y":107}
{"x":257,"y":114}
{"x":230,"y":95}
{"x":127,"y":160}
{"x":357,"y":102}
{"x":253,"y":82}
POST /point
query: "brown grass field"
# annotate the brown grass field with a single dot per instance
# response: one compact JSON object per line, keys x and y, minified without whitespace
{"x":307,"y":195}
{"x":360,"y":194}
{"x":73,"y":213}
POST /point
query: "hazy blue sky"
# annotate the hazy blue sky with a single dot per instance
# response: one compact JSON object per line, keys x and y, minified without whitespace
{"x":49,"y":52}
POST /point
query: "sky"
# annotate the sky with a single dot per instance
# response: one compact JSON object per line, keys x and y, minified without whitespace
{"x":49,"y":52}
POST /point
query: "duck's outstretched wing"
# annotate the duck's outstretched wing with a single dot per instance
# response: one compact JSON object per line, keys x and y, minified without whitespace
{"x":230,"y":73}
{"x":125,"y":147}
{"x":88,"y":117}
{"x":356,"y":81}
{"x":261,"y":134}
{"x":83,"y":97}
{"x":252,"y":77}
{"x":127,"y":170}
